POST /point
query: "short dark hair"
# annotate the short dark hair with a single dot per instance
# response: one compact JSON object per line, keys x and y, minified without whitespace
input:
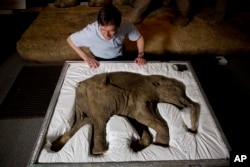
{"x":109,"y":15}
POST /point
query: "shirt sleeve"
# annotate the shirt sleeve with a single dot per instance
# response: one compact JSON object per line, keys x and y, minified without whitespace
{"x":132,"y":31}
{"x":82,"y":37}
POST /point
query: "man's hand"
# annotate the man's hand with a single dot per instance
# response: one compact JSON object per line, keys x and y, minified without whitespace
{"x":92,"y":62}
{"x":140,"y":61}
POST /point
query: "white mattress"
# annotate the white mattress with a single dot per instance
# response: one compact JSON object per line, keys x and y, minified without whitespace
{"x":208,"y":143}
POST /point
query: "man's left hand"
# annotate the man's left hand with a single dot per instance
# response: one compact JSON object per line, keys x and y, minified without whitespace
{"x":140,"y":61}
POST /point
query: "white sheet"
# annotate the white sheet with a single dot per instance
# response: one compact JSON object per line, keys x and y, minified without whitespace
{"x":206,"y":144}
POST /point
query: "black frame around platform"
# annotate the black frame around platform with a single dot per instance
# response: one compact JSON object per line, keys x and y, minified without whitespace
{"x":30,"y":94}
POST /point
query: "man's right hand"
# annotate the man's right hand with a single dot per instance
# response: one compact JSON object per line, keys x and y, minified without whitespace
{"x":92,"y":62}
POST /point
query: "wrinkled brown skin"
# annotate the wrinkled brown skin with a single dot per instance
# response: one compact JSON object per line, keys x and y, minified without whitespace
{"x":66,"y":3}
{"x":185,"y":9}
{"x":131,"y":95}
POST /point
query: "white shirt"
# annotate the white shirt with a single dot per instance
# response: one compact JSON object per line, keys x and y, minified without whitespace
{"x":91,"y":37}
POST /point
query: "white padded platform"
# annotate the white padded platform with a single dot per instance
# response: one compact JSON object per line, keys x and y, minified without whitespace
{"x":208,"y":143}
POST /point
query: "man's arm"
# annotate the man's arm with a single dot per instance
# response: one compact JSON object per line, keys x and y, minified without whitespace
{"x":77,"y":49}
{"x":140,"y":46}
{"x":91,"y":62}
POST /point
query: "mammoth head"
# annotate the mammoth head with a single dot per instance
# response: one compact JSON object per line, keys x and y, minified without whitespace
{"x":167,"y":88}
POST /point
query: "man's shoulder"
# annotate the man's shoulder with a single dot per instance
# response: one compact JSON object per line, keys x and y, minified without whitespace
{"x":126,"y":25}
{"x":89,"y":30}
{"x":92,"y":26}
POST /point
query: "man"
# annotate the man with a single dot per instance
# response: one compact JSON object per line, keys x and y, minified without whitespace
{"x":105,"y":37}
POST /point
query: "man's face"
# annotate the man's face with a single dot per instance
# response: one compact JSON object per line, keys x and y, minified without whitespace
{"x":108,"y":31}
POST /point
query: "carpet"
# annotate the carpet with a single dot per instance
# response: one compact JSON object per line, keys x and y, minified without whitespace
{"x":31,"y":92}
{"x":45,"y":39}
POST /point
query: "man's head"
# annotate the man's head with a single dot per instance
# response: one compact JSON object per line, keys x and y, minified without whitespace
{"x":109,"y":19}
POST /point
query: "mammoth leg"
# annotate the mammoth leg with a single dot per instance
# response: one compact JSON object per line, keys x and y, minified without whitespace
{"x":99,"y":143}
{"x":62,"y":140}
{"x":146,"y":116}
{"x":139,"y":6}
{"x":220,"y":7}
{"x":183,"y":11}
{"x":145,"y":136}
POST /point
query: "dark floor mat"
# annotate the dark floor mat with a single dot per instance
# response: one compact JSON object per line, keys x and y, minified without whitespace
{"x":31,"y":92}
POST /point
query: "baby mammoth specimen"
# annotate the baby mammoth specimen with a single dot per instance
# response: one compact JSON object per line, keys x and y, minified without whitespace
{"x":131,"y":95}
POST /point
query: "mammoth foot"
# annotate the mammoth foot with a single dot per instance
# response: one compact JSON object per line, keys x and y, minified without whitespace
{"x":134,"y":18}
{"x":135,"y":146}
{"x":181,"y":21}
{"x":99,"y":150}
{"x":161,"y":144}
{"x":59,"y":143}
{"x":138,"y":145}
{"x":66,"y":3}
{"x":192,"y":131}
{"x":162,"y":140}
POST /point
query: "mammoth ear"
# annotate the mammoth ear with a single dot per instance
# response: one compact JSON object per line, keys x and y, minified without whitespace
{"x":106,"y":80}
